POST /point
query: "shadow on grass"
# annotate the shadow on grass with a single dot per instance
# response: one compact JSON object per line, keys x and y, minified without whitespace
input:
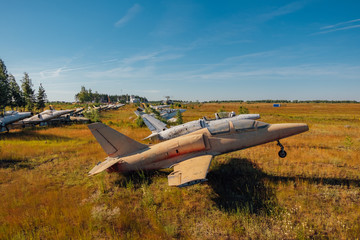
{"x":138,"y":178}
{"x":31,"y":135}
{"x":316,"y":180}
{"x":239,"y":185}
{"x":16,"y":163}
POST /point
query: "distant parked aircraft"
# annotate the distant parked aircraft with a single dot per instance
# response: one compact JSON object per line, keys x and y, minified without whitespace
{"x":11,"y":117}
{"x":161,"y":132}
{"x":165,"y":111}
{"x":106,"y":107}
{"x":43,"y":117}
{"x":189,"y":155}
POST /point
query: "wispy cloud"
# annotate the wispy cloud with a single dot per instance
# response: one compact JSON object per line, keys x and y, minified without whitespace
{"x":51,"y":73}
{"x":130,"y":14}
{"x":139,"y":58}
{"x":152,"y":57}
{"x":340,"y":26}
{"x":56,"y":72}
{"x":284,"y":10}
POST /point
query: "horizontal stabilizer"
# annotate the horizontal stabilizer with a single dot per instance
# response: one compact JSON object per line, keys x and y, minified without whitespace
{"x":191,"y":171}
{"x":113,"y":142}
{"x":104,"y":165}
{"x":152,"y":136}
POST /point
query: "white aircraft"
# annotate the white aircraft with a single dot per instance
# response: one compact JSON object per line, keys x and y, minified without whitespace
{"x":161,"y":132}
{"x":165,"y":111}
{"x":11,"y":117}
{"x":43,"y":117}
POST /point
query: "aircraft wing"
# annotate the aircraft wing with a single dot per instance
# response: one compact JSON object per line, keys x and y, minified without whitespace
{"x":153,"y":124}
{"x":190,"y":171}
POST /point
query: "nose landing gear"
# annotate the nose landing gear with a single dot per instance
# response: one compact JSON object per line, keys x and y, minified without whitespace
{"x":282,"y":153}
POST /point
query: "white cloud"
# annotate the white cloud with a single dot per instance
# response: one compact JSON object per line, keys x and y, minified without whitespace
{"x":131,"y":13}
{"x":138,"y":58}
{"x":340,"y":26}
{"x":51,"y":73}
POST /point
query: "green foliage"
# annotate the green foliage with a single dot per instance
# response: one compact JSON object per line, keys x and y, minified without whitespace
{"x":86,"y":95}
{"x":243,"y":110}
{"x":179,"y":118}
{"x":41,"y":98}
{"x":348,"y":142}
{"x":10,"y":93}
{"x":157,"y":114}
{"x":17,"y":99}
{"x":139,"y":122}
{"x":4,"y":86}
{"x":93,"y":115}
{"x":26,"y":85}
{"x":222,"y":109}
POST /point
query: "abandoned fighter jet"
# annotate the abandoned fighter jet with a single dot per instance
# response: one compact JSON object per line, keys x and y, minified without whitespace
{"x":165,"y":111}
{"x":161,"y":132}
{"x":11,"y":117}
{"x":43,"y":117}
{"x":189,"y":155}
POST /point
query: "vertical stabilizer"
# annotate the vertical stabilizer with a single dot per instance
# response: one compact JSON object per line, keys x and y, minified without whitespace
{"x":113,"y":142}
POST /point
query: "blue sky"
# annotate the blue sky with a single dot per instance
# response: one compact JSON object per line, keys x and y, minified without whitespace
{"x":189,"y":50}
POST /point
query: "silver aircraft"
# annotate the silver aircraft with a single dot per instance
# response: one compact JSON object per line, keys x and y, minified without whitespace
{"x":11,"y":117}
{"x":161,"y":132}
{"x":43,"y":117}
{"x":165,"y":111}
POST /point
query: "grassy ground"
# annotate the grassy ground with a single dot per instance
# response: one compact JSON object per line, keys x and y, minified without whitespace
{"x":251,"y":194}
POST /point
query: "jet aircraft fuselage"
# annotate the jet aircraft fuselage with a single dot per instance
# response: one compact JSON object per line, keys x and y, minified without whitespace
{"x":205,"y":143}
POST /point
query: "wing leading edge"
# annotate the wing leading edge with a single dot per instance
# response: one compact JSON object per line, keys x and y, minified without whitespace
{"x":190,"y":172}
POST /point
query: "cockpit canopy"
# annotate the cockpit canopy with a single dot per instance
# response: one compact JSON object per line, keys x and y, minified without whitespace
{"x":240,"y":125}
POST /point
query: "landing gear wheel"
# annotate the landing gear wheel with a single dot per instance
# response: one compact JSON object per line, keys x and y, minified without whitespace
{"x":282,"y":153}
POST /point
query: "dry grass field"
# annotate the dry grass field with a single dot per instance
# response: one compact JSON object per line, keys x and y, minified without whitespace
{"x":314,"y":192}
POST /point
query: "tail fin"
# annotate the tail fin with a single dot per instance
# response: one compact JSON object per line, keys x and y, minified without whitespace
{"x":113,"y":142}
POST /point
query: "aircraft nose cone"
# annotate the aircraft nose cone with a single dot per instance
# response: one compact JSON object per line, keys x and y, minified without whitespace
{"x":284,"y":130}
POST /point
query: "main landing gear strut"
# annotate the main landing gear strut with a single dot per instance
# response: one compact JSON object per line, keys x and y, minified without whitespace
{"x":282,"y":152}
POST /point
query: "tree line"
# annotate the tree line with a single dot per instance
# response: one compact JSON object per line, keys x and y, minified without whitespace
{"x":15,"y":97}
{"x":87,"y":96}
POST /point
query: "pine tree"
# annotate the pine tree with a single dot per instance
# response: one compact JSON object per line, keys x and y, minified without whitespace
{"x":179,"y":119}
{"x":26,"y":86}
{"x":41,"y":98}
{"x":4,"y":86}
{"x":16,"y":96}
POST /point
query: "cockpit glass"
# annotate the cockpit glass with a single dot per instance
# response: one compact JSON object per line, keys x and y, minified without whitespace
{"x":261,"y":124}
{"x":221,"y":127}
{"x":242,"y":124}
